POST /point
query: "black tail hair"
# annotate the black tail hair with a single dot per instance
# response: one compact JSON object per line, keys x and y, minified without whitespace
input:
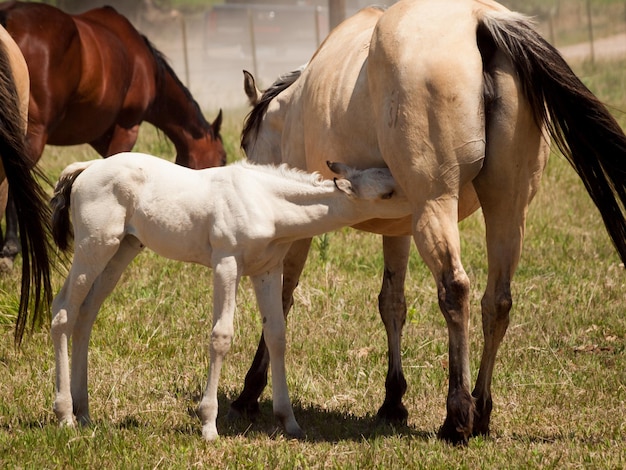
{"x":581,"y":126}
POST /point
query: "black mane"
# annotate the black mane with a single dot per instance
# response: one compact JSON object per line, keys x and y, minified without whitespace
{"x":253,"y":119}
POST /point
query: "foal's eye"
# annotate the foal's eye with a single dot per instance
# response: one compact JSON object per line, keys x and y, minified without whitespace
{"x":388,"y":195}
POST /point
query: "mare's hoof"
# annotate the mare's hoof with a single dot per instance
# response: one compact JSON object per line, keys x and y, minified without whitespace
{"x":234,"y":415}
{"x":453,"y":434}
{"x":249,"y":410}
{"x":393,"y":414}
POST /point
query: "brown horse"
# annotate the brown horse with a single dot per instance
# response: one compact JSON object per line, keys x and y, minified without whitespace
{"x":31,"y":206}
{"x":94,"y":79}
{"x":462,"y":117}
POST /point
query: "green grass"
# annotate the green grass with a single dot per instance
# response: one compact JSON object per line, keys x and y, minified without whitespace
{"x":559,"y":385}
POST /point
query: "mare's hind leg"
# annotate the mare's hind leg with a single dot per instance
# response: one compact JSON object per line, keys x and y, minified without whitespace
{"x":256,"y":379}
{"x":437,"y":239}
{"x":11,"y":245}
{"x":392,"y":308}
{"x":36,"y":140}
{"x":516,"y":156}
{"x":102,"y":287}
{"x":5,"y":265}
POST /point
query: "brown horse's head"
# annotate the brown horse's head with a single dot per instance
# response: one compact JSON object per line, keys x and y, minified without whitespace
{"x":204,"y":151}
{"x":174,"y":111}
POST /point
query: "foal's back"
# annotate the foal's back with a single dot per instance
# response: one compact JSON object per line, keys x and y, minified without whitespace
{"x":180,"y":213}
{"x":162,"y":204}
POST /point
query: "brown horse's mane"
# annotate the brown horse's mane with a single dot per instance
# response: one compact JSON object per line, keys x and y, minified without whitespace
{"x":164,"y":69}
{"x":255,"y":116}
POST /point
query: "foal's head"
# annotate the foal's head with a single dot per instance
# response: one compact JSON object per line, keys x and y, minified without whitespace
{"x":370,"y":184}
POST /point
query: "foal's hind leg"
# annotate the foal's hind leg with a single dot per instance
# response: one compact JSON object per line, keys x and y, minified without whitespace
{"x":392,"y":308}
{"x":256,"y":379}
{"x":102,"y":287}
{"x":516,"y":156}
{"x":65,"y":312}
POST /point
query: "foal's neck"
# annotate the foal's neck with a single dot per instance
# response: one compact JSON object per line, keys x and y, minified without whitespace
{"x":320,"y":209}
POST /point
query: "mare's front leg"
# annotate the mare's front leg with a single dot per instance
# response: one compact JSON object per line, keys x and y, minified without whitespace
{"x":268,"y":288}
{"x":225,"y":281}
{"x":256,"y":379}
{"x":392,"y":308}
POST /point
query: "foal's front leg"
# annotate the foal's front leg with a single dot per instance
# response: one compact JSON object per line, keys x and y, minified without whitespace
{"x":268,"y":287}
{"x":225,"y":282}
{"x":247,"y":403}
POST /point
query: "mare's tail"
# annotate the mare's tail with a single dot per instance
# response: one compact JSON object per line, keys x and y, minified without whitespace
{"x":30,"y":200}
{"x":62,"y":232}
{"x":582,"y":127}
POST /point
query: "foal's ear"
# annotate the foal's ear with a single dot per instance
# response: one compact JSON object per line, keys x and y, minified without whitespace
{"x":345,"y":186}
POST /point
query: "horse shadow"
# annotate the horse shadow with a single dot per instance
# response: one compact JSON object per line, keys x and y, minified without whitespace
{"x":319,"y":424}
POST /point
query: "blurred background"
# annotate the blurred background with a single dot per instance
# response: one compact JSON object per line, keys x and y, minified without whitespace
{"x":210,"y":42}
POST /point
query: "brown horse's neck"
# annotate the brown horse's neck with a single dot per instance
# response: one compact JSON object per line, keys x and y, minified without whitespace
{"x":174,"y":111}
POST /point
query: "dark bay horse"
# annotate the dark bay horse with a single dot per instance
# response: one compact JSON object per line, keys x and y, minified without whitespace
{"x":463,"y":117}
{"x":94,"y":79}
{"x":32,"y":212}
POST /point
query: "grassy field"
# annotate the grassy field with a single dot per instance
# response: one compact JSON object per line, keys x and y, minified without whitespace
{"x":559,"y":385}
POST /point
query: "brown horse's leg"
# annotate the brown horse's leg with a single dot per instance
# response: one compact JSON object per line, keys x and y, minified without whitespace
{"x":516,"y":156}
{"x":256,"y":379}
{"x":116,"y":139}
{"x":392,"y":308}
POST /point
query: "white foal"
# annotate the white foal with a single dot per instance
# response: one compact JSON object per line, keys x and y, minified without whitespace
{"x":239,"y":220}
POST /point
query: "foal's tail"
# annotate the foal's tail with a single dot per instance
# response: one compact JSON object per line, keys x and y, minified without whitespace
{"x":62,"y":232}
{"x":582,"y":127}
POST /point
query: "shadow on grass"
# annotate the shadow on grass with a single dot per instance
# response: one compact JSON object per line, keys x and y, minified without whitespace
{"x":319,"y":425}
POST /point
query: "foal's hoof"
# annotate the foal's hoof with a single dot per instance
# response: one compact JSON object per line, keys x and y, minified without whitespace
{"x":296,"y":432}
{"x":67,"y":423}
{"x":209,"y":433}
